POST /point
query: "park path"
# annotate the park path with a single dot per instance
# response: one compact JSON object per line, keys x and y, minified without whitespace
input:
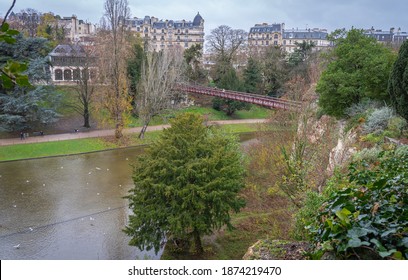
{"x":107,"y":132}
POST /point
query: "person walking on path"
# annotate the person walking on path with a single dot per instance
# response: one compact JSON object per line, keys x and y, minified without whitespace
{"x":21,"y":135}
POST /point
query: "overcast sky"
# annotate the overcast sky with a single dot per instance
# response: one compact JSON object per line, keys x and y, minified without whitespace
{"x":242,"y":14}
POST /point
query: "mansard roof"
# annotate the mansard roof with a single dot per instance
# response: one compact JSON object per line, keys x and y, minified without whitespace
{"x":304,"y":34}
{"x":68,"y":50}
{"x":265,"y":28}
{"x":159,"y":24}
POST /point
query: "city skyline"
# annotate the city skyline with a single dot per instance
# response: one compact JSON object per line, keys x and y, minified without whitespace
{"x":329,"y":14}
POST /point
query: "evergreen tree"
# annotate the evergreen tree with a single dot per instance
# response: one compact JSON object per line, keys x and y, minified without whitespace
{"x":186,"y":185}
{"x":301,"y":53}
{"x":359,"y":69}
{"x":23,"y":106}
{"x":252,"y":76}
{"x":134,"y":67}
{"x":192,"y":57}
{"x":274,"y":71}
{"x":226,"y":78}
{"x":398,"y":82}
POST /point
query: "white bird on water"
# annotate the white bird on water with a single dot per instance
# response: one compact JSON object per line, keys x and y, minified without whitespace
{"x":17,"y":246}
{"x":97,"y":168}
{"x":30,"y":228}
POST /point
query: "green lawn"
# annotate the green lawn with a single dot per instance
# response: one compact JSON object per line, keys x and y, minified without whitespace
{"x":255,"y":112}
{"x":36,"y":150}
{"x":76,"y":146}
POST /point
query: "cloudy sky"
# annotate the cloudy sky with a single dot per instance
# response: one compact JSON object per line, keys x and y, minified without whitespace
{"x":243,"y":14}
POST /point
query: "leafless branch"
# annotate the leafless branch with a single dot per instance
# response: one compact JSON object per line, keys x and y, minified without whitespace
{"x":8,"y":12}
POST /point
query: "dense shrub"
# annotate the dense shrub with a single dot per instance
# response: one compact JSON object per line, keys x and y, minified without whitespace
{"x":378,"y":119}
{"x":368,"y":155}
{"x":361,"y":108}
{"x":368,"y":219}
{"x":306,"y":215}
{"x":396,"y":125}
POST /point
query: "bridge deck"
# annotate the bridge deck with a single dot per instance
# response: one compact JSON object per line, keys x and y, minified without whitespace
{"x":257,"y":99}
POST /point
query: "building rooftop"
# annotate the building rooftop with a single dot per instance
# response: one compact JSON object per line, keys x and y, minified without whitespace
{"x":68,"y":50}
{"x":305,"y":34}
{"x":197,"y":20}
{"x":265,"y":28}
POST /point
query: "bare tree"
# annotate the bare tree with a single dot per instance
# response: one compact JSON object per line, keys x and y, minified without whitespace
{"x":85,"y":75}
{"x":225,"y":42}
{"x":114,"y":52}
{"x":30,"y":20}
{"x":160,"y":72}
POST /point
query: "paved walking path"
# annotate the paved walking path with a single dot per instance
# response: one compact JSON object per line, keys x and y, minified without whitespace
{"x":104,"y":133}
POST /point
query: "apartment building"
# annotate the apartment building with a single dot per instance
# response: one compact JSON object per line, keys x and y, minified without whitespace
{"x":318,"y":37}
{"x":163,"y":34}
{"x":264,"y":35}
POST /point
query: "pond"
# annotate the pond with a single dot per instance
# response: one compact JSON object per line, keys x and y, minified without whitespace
{"x":69,"y":207}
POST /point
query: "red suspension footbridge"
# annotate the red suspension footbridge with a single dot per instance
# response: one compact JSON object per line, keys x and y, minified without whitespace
{"x":257,"y":99}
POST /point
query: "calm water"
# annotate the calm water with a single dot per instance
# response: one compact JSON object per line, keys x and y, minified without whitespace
{"x":68,"y":207}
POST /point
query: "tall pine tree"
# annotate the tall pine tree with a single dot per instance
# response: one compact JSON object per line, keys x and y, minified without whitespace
{"x":398,"y":82}
{"x":186,"y":185}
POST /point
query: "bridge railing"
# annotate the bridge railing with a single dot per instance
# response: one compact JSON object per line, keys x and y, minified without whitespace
{"x":262,"y":100}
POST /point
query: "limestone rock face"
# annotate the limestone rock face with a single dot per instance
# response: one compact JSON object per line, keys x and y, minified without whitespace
{"x":344,"y":149}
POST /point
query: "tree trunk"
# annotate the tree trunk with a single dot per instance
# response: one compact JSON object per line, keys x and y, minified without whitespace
{"x":86,"y":117}
{"x":118,"y":131}
{"x":144,"y":128}
{"x":197,"y":242}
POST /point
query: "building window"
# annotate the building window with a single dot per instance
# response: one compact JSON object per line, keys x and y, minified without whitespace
{"x":162,"y":30}
{"x":154,"y":31}
{"x":85,"y":74}
{"x":284,"y":42}
{"x":67,"y":75}
{"x":76,"y":75}
{"x":275,"y":43}
{"x":186,"y":45}
{"x":186,"y":30}
{"x":58,"y":74}
{"x":267,"y":43}
{"x":275,"y":36}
